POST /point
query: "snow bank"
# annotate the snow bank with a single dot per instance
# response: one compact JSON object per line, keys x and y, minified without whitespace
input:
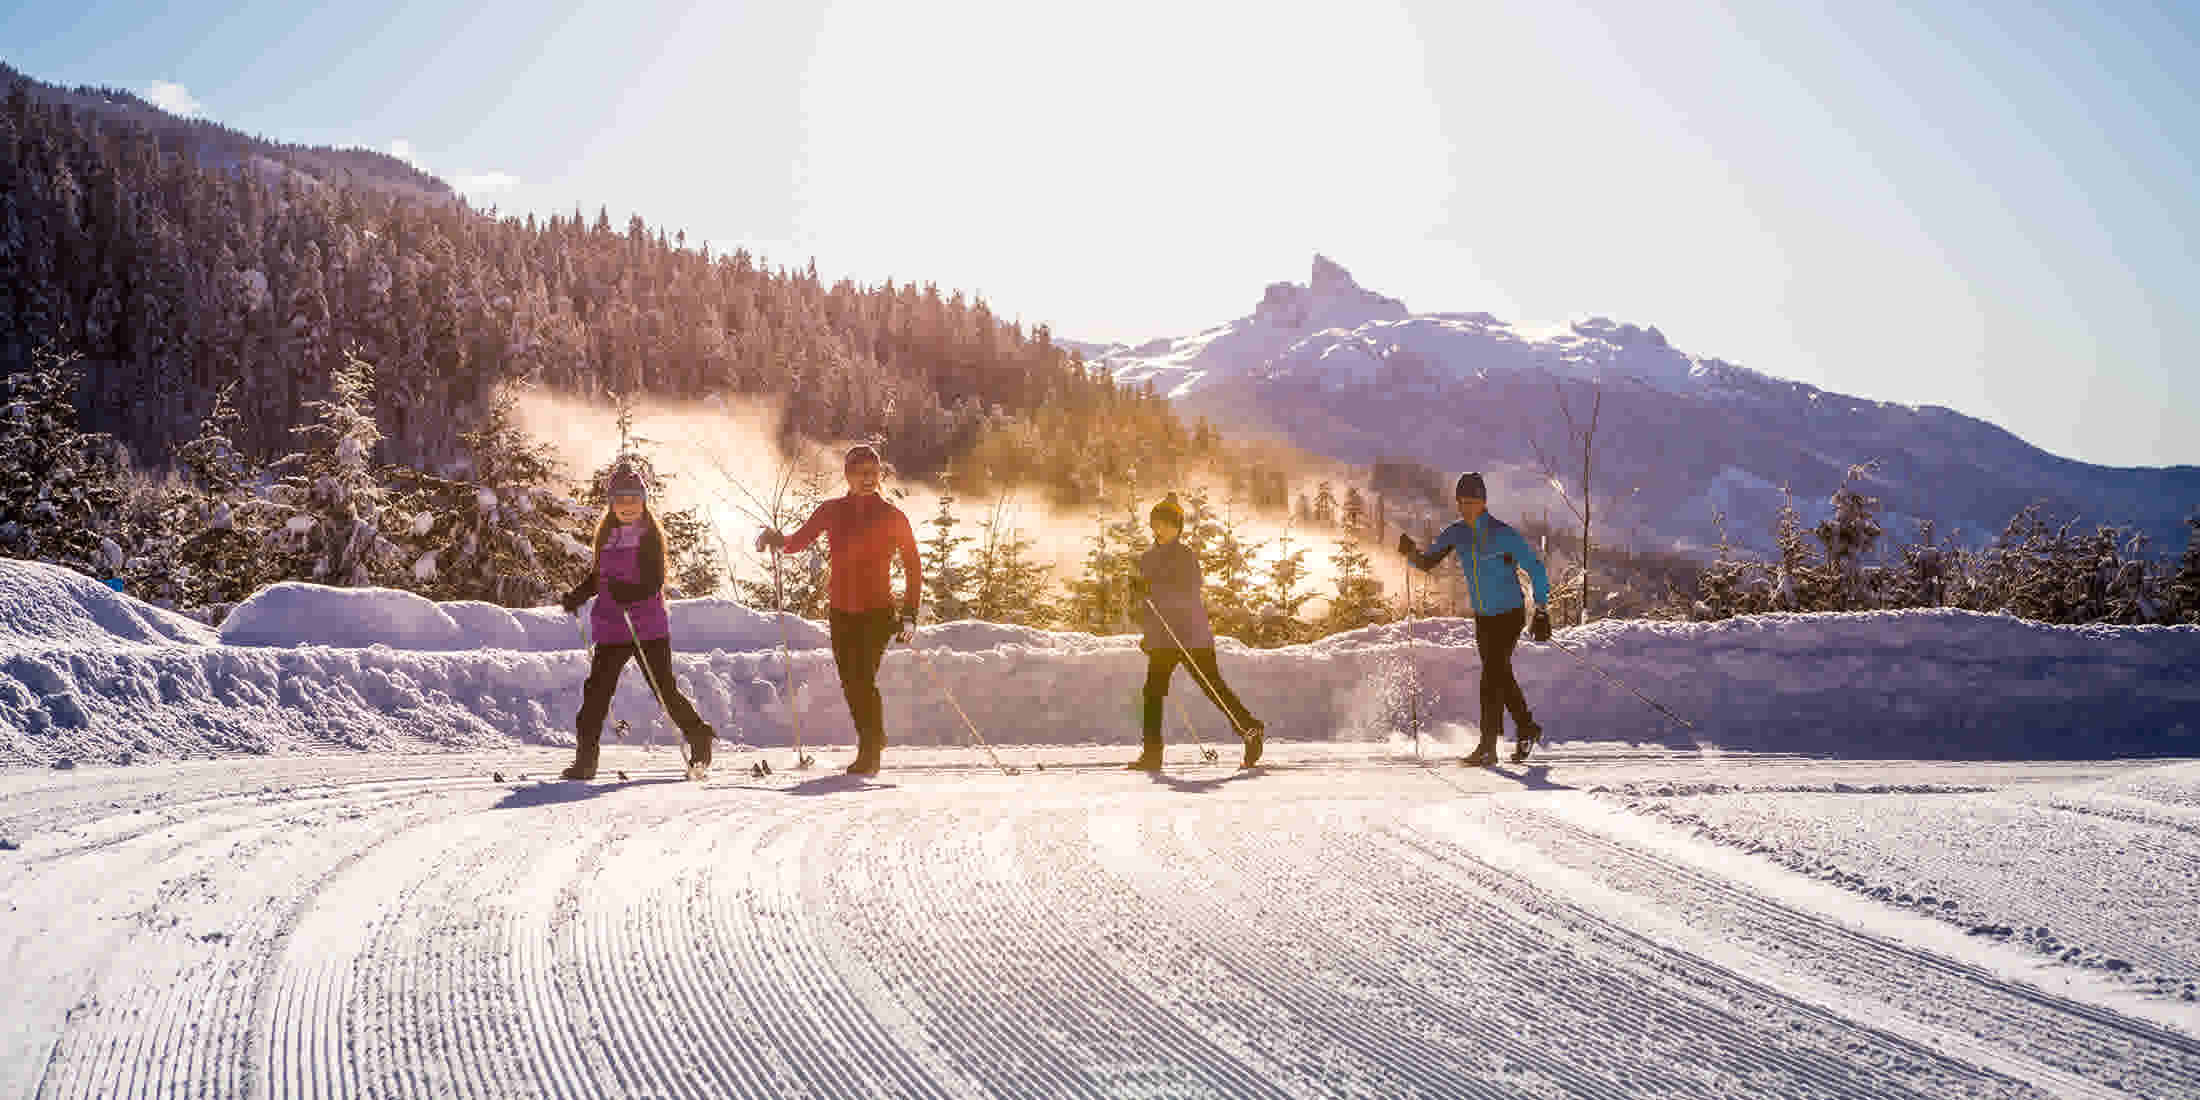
{"x":88,"y":674}
{"x":296,"y":614}
{"x":43,"y":604}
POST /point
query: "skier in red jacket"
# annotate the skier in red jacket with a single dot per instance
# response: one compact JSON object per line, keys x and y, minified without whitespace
{"x":863,"y":531}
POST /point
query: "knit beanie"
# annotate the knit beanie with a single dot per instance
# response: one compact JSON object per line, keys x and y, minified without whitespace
{"x":1470,"y":485}
{"x":627,"y":483}
{"x":1169,"y":511}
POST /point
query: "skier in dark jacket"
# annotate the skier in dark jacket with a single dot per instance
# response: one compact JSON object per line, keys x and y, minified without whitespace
{"x":1177,"y":632}
{"x":1489,"y":552}
{"x":628,"y":583}
{"x":864,"y":532}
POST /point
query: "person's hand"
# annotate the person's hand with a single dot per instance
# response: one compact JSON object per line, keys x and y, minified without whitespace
{"x":908,"y":626}
{"x":571,"y":605}
{"x":1540,"y":628}
{"x":768,"y":539}
{"x":1405,"y":544}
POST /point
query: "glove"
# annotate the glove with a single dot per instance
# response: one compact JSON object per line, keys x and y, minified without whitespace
{"x":1405,"y":544}
{"x":768,"y":539}
{"x":571,"y":605}
{"x":1540,"y":628}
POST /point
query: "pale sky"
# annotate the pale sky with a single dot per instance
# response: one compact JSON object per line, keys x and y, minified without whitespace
{"x":1987,"y":208}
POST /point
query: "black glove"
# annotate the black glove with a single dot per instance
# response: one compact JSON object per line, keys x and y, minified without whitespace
{"x":1540,"y":628}
{"x":768,"y":539}
{"x":572,"y":606}
{"x":1405,"y":544}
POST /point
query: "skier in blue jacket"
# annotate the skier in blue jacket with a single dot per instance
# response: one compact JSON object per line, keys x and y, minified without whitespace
{"x":1489,"y":552}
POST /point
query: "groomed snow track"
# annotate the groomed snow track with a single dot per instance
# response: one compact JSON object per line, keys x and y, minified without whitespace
{"x":1335,"y":925}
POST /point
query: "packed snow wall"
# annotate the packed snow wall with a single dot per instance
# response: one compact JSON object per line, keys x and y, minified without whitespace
{"x":89,"y":675}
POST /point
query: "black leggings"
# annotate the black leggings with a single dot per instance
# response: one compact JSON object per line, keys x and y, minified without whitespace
{"x":859,"y":644}
{"x":1161,"y":665}
{"x":1496,"y":636}
{"x":603,"y":679}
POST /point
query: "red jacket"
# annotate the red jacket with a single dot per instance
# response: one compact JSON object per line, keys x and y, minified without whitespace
{"x":863,"y":532}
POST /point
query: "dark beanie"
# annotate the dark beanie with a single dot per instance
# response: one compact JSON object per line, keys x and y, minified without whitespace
{"x":1168,"y":510}
{"x":1470,"y":485}
{"x":625,"y":482}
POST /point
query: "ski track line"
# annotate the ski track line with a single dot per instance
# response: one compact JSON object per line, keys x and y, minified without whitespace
{"x":1335,"y":1046}
{"x":2064,"y":910}
{"x":1150,"y":1038}
{"x":153,"y":1034}
{"x":1595,"y":825}
{"x":819,"y":971}
{"x":1321,"y":975}
{"x":1861,"y":960}
{"x":1627,"y":1007}
{"x":989,"y":1039}
{"x":1897,"y":1043}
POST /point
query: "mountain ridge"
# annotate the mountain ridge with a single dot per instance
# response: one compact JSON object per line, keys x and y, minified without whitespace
{"x":1687,"y":439}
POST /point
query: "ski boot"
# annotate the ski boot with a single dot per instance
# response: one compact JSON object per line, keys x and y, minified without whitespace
{"x":1525,"y":740}
{"x":584,"y":760}
{"x":698,"y":744}
{"x":1256,"y":737}
{"x":868,"y":751}
{"x":1149,"y":757}
{"x":1485,"y":752}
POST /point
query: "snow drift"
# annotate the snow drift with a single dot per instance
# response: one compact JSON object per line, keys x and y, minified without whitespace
{"x":90,"y":675}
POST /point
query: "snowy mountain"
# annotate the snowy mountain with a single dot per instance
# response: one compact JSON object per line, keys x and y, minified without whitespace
{"x":1343,"y":371}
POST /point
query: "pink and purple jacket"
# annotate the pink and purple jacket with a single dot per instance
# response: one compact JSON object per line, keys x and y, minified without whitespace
{"x":629,"y":578}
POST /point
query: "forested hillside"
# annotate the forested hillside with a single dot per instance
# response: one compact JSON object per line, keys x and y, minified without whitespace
{"x":177,"y":257}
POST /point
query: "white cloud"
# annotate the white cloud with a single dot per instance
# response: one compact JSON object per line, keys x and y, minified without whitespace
{"x":173,"y":98}
{"x":487,"y":181}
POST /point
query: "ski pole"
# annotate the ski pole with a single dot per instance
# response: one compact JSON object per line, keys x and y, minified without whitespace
{"x":641,"y":658}
{"x":1205,"y":753}
{"x":786,"y":667}
{"x":1211,"y":692}
{"x":933,"y":672}
{"x":1654,"y":704}
{"x":1413,"y":682}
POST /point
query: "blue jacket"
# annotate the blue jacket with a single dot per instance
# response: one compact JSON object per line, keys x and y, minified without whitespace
{"x":1488,"y":549}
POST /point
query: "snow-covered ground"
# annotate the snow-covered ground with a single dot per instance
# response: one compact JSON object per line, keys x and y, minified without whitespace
{"x":1785,"y":902}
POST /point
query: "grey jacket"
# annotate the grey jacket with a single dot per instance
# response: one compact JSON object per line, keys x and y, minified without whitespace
{"x":1171,"y":573}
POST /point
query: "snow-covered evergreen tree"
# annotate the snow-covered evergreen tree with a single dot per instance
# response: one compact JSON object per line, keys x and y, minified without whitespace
{"x":1227,"y":563}
{"x":947,"y":582}
{"x":1007,"y":586}
{"x":59,"y":486}
{"x":1847,"y":536}
{"x":1284,"y":595}
{"x":330,"y":502}
{"x":502,"y":532}
{"x":1359,"y":600}
{"x":2181,"y":593}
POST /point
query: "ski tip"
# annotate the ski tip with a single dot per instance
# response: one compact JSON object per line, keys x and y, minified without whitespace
{"x":696,"y":772}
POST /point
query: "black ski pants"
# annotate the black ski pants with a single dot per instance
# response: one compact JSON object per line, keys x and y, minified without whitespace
{"x":603,"y":679}
{"x":1161,"y":665}
{"x":860,"y":639}
{"x":1496,"y":636}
